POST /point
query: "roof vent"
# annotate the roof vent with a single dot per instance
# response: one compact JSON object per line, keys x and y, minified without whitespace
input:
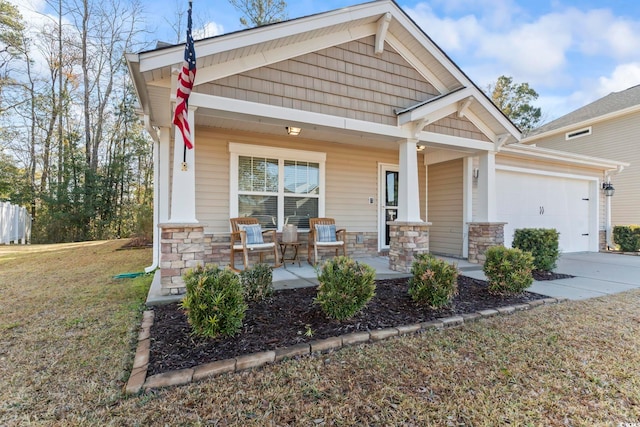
{"x":577,"y":133}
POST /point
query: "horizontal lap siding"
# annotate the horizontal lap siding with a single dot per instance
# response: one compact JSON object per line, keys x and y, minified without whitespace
{"x":212,"y":179}
{"x":351,"y":178}
{"x":616,"y":139}
{"x":445,"y":207}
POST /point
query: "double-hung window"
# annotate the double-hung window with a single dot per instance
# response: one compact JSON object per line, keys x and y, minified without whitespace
{"x":278,"y":186}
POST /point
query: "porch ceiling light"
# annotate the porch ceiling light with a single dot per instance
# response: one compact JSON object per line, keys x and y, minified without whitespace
{"x":608,"y":189}
{"x":293,"y":131}
{"x":420,"y":147}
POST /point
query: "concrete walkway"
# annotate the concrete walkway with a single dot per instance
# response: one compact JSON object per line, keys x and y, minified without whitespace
{"x":596,"y":274}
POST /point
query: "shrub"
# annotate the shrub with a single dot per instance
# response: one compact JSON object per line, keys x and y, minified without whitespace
{"x":214,"y":301}
{"x":627,"y":237}
{"x":346,"y":286}
{"x":508,"y":270}
{"x":257,"y":282}
{"x":542,"y":243}
{"x":434,"y":282}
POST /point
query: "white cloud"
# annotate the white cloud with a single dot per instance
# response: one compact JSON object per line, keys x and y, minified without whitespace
{"x":624,"y":76}
{"x":450,"y":34}
{"x":210,"y":29}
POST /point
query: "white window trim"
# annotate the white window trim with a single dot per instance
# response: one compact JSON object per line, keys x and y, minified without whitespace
{"x":236,"y":150}
{"x":580,"y":133}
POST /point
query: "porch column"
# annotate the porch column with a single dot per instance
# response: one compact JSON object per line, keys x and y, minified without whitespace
{"x":182,"y":242}
{"x":183,"y":186}
{"x":408,"y":192}
{"x":485,"y":231}
{"x":487,"y":211}
{"x":408,"y":234}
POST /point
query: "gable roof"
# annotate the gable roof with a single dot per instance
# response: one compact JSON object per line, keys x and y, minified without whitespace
{"x":612,"y":105}
{"x":234,"y":53}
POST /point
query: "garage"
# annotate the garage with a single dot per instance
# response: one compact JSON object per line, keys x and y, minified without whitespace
{"x":534,"y":199}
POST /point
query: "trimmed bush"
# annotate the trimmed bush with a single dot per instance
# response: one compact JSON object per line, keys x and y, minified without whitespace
{"x":257,"y":282}
{"x":627,"y":237}
{"x":542,"y":243}
{"x":434,"y":282}
{"x":346,"y":286}
{"x":214,"y":302}
{"x":508,"y":270}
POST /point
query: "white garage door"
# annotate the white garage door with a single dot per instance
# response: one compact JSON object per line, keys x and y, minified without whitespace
{"x":540,"y":201}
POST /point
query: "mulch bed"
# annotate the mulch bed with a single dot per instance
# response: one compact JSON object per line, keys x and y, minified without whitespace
{"x":284,"y":319}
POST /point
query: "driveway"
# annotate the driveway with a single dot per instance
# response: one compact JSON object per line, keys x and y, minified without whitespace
{"x":596,"y":274}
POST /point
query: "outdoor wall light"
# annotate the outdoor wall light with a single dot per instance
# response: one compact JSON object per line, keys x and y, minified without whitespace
{"x":608,"y":189}
{"x":293,"y":131}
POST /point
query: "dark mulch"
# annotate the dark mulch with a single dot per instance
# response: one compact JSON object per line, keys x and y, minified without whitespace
{"x":283,"y":319}
{"x":541,"y":275}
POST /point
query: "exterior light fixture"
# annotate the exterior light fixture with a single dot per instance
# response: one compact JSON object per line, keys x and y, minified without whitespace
{"x":420,"y":147}
{"x":608,"y":189}
{"x":293,"y":131}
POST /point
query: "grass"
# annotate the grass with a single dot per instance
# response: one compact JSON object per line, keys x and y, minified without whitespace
{"x":66,"y":331}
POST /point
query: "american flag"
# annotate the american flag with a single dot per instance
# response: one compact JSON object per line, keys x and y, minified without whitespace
{"x":185,"y":84}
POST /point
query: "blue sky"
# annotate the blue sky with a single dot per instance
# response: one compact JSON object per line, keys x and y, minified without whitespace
{"x":570,"y":51}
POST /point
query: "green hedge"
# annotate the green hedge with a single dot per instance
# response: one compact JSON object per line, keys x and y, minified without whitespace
{"x":627,"y":237}
{"x":214,"y":302}
{"x":542,"y":243}
{"x":346,"y":286}
{"x":508,"y":270}
{"x":434,"y":282}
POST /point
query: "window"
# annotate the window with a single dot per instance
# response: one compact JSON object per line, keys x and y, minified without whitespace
{"x":577,"y":133}
{"x":277,"y":186}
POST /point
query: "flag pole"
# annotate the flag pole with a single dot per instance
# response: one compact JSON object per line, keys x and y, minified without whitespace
{"x":186,"y":80}
{"x":184,"y":145}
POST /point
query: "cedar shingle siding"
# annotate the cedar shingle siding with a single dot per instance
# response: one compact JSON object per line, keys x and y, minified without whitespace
{"x":346,"y":81}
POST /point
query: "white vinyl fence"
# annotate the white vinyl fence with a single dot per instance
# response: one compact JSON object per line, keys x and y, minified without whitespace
{"x":15,"y":224}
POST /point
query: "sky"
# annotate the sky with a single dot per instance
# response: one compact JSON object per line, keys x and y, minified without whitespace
{"x":571,"y":52}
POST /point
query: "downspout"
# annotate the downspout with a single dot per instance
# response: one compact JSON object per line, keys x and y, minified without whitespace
{"x":156,"y":191}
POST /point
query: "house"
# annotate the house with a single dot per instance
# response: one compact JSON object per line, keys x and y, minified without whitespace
{"x":608,"y":127}
{"x":354,"y":114}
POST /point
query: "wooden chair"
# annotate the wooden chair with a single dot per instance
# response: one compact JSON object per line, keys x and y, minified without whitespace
{"x":321,"y":235}
{"x":241,"y":242}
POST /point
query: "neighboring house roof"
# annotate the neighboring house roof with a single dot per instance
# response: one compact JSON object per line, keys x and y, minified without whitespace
{"x":612,"y":105}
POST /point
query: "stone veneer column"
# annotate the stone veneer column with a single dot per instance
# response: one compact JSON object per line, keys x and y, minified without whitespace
{"x":407,"y":239}
{"x":182,"y":247}
{"x":483,"y":235}
{"x":602,"y":240}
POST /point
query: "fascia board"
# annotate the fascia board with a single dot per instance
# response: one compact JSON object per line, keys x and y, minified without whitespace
{"x":562,"y":156}
{"x":168,"y":56}
{"x":138,"y":83}
{"x":432,"y":107}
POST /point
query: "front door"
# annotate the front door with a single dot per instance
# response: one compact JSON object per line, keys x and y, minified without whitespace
{"x":388,"y":197}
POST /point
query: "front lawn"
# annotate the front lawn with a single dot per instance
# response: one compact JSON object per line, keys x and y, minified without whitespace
{"x":66,"y":333}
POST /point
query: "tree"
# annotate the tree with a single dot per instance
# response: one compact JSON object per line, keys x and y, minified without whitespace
{"x":514,"y":100}
{"x":11,"y":42}
{"x":260,"y":12}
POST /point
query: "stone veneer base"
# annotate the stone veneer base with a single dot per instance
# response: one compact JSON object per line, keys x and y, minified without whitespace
{"x":138,"y":380}
{"x":407,"y":239}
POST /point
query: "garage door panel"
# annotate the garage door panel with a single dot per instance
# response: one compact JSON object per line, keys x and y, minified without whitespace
{"x":539,"y":201}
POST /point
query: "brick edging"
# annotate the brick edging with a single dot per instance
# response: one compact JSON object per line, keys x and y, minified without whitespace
{"x":141,"y":360}
{"x":138,"y":379}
